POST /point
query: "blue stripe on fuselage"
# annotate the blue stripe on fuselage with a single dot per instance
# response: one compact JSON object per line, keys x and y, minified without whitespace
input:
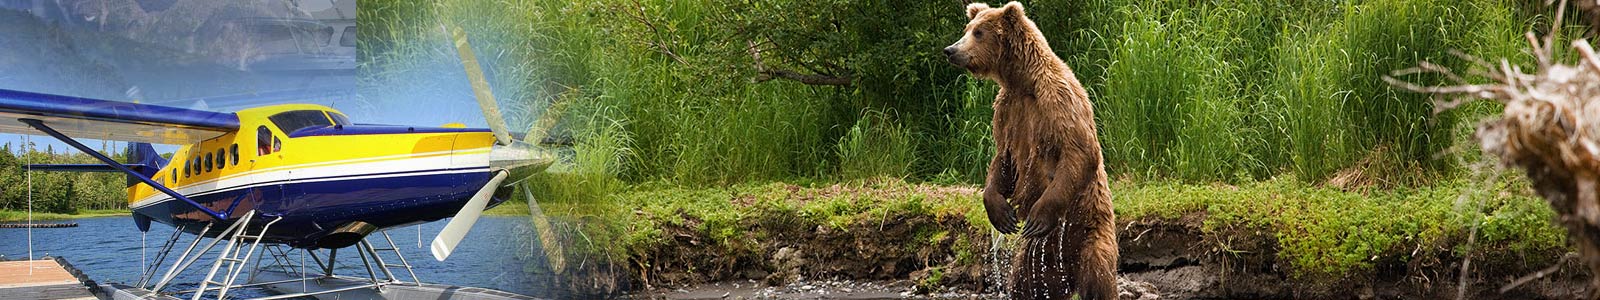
{"x":311,"y":209}
{"x":375,"y":129}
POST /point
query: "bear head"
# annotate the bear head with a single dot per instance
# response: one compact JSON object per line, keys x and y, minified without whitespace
{"x":992,"y":36}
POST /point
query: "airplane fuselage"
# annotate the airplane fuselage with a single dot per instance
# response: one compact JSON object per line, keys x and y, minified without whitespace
{"x":320,"y":173}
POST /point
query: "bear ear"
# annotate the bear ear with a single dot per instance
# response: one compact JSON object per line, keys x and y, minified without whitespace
{"x":1013,"y":10}
{"x":975,"y":8}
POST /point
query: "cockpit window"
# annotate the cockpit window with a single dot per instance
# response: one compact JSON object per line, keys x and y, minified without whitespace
{"x":339,"y":119}
{"x":263,"y":141}
{"x":290,"y":121}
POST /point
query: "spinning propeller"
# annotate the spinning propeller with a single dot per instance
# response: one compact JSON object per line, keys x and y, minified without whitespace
{"x":511,"y":158}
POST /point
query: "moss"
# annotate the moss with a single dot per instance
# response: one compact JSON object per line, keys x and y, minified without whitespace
{"x":1329,"y":234}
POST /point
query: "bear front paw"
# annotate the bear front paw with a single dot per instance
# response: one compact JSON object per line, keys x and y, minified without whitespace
{"x":1002,"y":217}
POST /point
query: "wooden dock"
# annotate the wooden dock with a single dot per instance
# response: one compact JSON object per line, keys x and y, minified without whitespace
{"x":43,"y":279}
{"x":38,"y":225}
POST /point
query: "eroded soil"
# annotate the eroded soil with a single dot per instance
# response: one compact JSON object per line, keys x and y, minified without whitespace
{"x":1172,"y":256}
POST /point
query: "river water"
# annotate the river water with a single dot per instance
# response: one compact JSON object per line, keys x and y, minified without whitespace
{"x":108,"y":250}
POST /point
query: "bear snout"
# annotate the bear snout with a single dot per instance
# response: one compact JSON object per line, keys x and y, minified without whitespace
{"x":954,"y":56}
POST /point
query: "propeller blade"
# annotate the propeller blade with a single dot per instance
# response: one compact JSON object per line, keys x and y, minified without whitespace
{"x":480,"y":86}
{"x":458,"y":227}
{"x":547,"y":235}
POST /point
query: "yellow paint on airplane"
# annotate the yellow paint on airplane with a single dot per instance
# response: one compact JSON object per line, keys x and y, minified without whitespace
{"x":235,"y":154}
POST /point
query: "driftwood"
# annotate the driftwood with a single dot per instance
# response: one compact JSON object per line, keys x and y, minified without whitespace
{"x":1550,"y":129}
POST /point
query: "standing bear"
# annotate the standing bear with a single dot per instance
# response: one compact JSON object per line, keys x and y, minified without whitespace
{"x":1047,"y":161}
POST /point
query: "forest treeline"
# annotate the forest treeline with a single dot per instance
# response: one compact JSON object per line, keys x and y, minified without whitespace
{"x":57,"y":192}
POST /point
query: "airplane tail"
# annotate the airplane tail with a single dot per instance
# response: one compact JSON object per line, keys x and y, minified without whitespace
{"x":142,"y":158}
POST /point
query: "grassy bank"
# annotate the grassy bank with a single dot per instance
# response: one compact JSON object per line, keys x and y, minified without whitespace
{"x":1267,"y":122}
{"x":939,"y":235}
{"x":8,"y":215}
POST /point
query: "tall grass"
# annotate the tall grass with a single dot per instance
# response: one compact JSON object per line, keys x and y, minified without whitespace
{"x":876,"y":146}
{"x":1197,"y":91}
{"x":971,"y":137}
{"x":1309,"y":101}
{"x":1222,"y":91}
{"x":1173,"y":99}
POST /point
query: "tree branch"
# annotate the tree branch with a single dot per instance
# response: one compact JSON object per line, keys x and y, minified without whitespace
{"x":637,"y":13}
{"x":811,"y":79}
{"x":763,"y":74}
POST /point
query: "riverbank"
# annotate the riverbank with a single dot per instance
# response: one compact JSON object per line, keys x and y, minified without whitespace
{"x":7,"y":215}
{"x":1210,"y":240}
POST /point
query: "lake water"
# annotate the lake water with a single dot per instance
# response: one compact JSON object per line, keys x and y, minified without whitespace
{"x":108,"y":250}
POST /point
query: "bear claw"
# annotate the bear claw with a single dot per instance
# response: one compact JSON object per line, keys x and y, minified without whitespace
{"x":1003,"y":219}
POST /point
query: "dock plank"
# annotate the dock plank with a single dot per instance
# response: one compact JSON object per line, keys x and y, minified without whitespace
{"x":45,"y":272}
{"x":40,"y":279}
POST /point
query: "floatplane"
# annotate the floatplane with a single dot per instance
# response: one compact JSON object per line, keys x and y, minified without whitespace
{"x":300,"y":176}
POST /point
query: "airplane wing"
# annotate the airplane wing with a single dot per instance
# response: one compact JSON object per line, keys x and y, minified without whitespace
{"x":110,"y":120}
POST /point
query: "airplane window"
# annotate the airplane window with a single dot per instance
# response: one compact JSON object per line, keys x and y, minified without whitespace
{"x":277,"y":145}
{"x":263,"y":140}
{"x":208,"y":162}
{"x":348,"y":38}
{"x":235,"y":153}
{"x":339,"y":119}
{"x":291,"y":37}
{"x":174,"y":175}
{"x":293,"y":120}
{"x":188,"y":168}
{"x":222,"y":158}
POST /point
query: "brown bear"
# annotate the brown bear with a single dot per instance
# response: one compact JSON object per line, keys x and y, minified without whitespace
{"x":1047,"y":160}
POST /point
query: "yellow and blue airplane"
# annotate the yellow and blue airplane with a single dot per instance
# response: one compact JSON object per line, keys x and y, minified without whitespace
{"x":331,"y":181}
{"x":324,"y":181}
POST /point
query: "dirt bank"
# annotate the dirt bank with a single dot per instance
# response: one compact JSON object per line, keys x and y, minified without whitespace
{"x":1264,"y":241}
{"x":1174,"y":256}
{"x":1184,"y":263}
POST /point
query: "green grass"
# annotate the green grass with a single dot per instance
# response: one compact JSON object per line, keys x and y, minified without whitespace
{"x":1172,"y":98}
{"x":1210,"y":91}
{"x":876,"y":146}
{"x":22,"y":215}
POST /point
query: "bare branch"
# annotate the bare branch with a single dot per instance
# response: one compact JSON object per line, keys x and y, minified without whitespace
{"x":763,"y":74}
{"x":804,"y":78}
{"x":637,"y":13}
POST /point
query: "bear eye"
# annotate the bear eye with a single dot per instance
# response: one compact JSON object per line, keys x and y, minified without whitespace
{"x":977,"y":33}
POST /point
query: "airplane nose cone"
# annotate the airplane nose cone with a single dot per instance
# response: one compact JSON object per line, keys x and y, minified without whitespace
{"x":520,"y":159}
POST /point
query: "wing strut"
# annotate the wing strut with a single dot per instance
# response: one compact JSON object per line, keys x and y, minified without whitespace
{"x":36,"y":124}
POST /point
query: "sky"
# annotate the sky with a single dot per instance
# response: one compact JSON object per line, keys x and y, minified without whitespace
{"x":159,"y":62}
